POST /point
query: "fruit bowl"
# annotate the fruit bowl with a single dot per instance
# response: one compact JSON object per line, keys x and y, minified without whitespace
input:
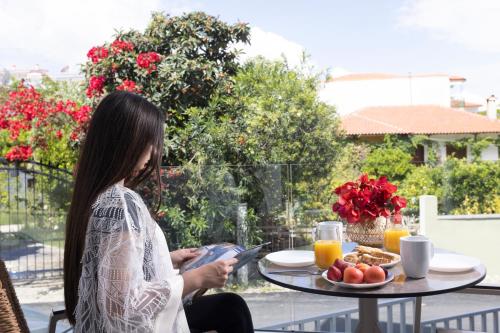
{"x":342,"y":284}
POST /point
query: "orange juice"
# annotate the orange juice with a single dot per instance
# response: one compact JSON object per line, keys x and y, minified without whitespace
{"x":391,"y":238}
{"x":326,"y":251}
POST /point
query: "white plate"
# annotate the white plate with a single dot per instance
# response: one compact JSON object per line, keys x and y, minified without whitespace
{"x":389,"y":278}
{"x":292,"y":258}
{"x":389,"y":265}
{"x":452,"y":263}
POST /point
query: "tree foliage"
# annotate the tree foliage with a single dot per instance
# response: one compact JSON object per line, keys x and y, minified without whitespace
{"x":271,"y":130}
{"x":177,"y":63}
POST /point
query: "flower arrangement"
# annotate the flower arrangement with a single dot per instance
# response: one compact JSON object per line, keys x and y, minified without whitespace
{"x":366,"y":199}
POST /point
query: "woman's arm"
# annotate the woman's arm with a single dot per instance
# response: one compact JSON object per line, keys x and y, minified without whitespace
{"x":126,"y":300}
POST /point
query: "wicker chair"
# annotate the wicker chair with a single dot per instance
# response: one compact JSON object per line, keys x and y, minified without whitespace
{"x":11,"y":316}
{"x":12,"y":319}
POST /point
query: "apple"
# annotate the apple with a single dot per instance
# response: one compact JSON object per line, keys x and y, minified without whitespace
{"x":374,"y":274}
{"x":341,"y":264}
{"x":353,"y":275}
{"x":362,"y":267}
{"x":334,"y":274}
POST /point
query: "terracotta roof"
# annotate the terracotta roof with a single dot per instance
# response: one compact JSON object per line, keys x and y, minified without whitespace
{"x":380,"y":76}
{"x":456,"y":78}
{"x":418,"y":119}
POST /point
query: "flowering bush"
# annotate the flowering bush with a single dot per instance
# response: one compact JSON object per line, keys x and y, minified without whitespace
{"x":31,"y":124}
{"x":366,"y":199}
{"x":177,"y":63}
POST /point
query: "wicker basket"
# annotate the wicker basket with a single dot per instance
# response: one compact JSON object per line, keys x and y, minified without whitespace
{"x":369,"y":233}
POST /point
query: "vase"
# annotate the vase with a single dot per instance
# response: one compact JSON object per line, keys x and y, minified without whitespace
{"x":368,"y":233}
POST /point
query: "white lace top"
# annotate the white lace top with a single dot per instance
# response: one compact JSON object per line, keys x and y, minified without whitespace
{"x":128,"y":283}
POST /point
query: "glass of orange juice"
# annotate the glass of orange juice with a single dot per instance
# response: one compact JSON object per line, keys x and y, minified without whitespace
{"x":395,"y":229}
{"x":327,"y":238}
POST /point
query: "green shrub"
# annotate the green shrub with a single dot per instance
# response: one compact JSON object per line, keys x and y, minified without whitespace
{"x":422,"y":180}
{"x":461,"y":187}
{"x":393,"y":162}
{"x":471,"y":187}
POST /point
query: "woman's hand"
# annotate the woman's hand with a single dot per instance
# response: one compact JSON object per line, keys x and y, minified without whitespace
{"x":213,"y":275}
{"x":216,"y":273}
{"x":179,"y":256}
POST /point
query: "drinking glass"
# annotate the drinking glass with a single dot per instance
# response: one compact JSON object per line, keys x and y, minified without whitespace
{"x":394,"y":230}
{"x":327,"y":237}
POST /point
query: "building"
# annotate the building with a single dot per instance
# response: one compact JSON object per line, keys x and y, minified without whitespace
{"x":35,"y":75}
{"x":442,"y":125}
{"x":353,"y":92}
{"x":372,"y":105}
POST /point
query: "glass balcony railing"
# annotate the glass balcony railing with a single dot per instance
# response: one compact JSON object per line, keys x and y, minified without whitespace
{"x":250,"y":205}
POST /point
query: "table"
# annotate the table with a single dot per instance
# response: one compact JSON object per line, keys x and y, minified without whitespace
{"x":433,"y":284}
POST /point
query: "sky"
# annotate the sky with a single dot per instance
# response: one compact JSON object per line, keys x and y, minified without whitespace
{"x":458,"y":37}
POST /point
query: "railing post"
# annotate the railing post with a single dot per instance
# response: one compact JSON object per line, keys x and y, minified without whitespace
{"x":242,"y":239}
{"x":428,"y":212}
{"x":495,"y":322}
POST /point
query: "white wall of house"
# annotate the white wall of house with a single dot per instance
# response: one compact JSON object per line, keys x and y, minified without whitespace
{"x":473,"y":235}
{"x":490,"y":153}
{"x":349,"y":96}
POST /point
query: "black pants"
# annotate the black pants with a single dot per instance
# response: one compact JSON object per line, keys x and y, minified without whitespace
{"x":224,"y":313}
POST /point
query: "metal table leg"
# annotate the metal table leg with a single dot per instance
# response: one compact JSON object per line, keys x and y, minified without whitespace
{"x":368,"y":316}
{"x":417,"y":316}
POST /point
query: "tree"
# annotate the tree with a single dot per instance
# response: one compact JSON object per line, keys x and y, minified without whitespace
{"x":177,"y":63}
{"x":273,"y":116}
{"x":240,"y":143}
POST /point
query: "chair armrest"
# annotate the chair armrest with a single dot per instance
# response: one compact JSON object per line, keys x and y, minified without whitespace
{"x":55,"y":316}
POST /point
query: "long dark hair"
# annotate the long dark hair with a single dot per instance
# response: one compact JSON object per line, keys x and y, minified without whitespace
{"x":121,"y":129}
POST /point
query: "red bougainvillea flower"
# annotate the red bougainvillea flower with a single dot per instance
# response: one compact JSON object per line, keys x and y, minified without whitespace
{"x":128,"y":85}
{"x":366,"y":199}
{"x":96,"y":86}
{"x":74,"y":136}
{"x":120,"y":45}
{"x":81,"y":115}
{"x":97,"y":53}
{"x":28,"y":120}
{"x":19,"y":153}
{"x":148,"y":60}
{"x":398,"y":202}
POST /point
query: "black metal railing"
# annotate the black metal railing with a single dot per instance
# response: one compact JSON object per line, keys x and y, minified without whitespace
{"x":33,"y":201}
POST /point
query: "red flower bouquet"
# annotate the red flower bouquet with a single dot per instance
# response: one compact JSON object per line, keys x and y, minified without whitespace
{"x":366,"y":199}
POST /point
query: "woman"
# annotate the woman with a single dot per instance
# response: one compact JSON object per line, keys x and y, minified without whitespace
{"x":118,"y":273}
